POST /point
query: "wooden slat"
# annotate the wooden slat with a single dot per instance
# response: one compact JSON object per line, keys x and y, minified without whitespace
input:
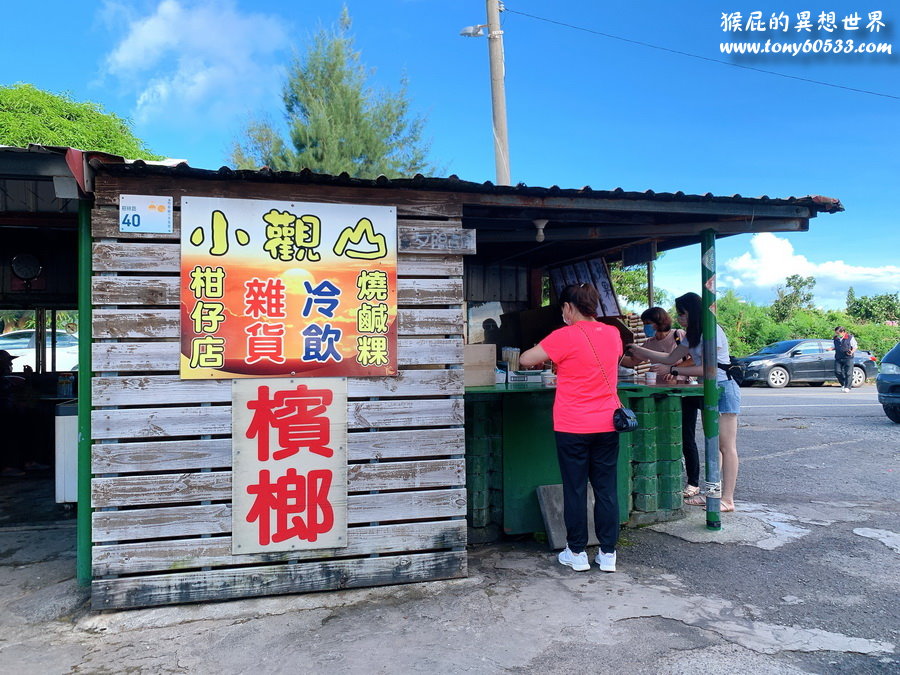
{"x":164,"y":589}
{"x":166,"y":323}
{"x":135,"y":291}
{"x":166,"y":455}
{"x":138,"y":390}
{"x":163,"y":356}
{"x":413,"y":236}
{"x":161,"y":456}
{"x":429,"y":265}
{"x":166,"y":258}
{"x":186,"y":521}
{"x":411,"y":203}
{"x":405,"y":443}
{"x":181,"y":488}
{"x":172,"y":555}
{"x":405,"y":413}
{"x":197,"y":421}
{"x":165,"y":291}
{"x":429,"y":291}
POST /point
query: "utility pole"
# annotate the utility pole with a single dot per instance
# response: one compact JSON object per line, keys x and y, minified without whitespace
{"x":498,"y":92}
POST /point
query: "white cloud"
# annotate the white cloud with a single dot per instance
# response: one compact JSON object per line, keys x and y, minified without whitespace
{"x":204,"y":59}
{"x":771,"y":259}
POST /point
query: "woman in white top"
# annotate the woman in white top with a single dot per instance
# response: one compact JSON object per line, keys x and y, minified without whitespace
{"x":690,"y":313}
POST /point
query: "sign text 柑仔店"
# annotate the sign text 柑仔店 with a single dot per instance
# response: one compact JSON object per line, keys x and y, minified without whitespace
{"x":281,"y":289}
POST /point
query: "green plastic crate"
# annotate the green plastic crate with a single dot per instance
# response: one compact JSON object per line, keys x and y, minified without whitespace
{"x":646,"y":485}
{"x":669,"y":468}
{"x":644,"y":469}
{"x":646,"y":503}
{"x":670,"y":500}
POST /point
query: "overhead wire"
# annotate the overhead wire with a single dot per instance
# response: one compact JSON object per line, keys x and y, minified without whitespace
{"x":696,"y":56}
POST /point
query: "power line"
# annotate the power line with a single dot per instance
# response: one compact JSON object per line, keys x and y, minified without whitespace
{"x":697,"y":56}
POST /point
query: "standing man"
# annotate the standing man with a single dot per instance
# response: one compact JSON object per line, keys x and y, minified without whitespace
{"x":844,"y":349}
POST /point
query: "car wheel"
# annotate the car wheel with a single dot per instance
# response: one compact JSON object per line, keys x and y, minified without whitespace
{"x":816,"y":384}
{"x":859,"y":377}
{"x":893,"y":412}
{"x":777,"y":378}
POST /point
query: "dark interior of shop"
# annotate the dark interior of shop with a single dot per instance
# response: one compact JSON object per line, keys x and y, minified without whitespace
{"x":39,"y":331}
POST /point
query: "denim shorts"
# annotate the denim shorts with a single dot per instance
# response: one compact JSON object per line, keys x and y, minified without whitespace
{"x":729,"y":397}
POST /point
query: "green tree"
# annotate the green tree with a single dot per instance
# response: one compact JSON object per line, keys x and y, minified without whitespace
{"x":796,"y":294}
{"x":750,"y":326}
{"x":877,"y":308}
{"x":335,"y":121}
{"x":31,"y":115}
{"x":631,"y":285}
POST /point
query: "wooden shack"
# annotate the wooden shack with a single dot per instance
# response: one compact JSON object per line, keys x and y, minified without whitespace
{"x":156,"y":449}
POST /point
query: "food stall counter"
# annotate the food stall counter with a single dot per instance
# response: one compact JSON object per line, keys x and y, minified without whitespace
{"x":511,"y":450}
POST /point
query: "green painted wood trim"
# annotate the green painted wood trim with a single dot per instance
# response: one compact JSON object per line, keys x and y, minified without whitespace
{"x":83,"y":551}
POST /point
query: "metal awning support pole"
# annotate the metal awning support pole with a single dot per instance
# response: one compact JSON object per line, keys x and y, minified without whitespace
{"x":710,"y":388}
{"x":83,"y":553}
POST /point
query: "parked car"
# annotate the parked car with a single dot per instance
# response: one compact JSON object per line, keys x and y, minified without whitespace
{"x":888,"y":384}
{"x":809,"y":361}
{"x":21,"y":343}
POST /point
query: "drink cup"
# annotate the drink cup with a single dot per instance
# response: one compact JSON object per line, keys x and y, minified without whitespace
{"x":651,"y":377}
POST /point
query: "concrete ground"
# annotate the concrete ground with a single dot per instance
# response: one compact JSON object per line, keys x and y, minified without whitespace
{"x":803,"y":578}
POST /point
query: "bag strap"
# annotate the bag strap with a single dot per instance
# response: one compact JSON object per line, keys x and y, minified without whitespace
{"x":602,"y":369}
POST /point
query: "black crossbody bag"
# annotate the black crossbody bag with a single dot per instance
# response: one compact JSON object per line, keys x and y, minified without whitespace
{"x":624,"y":419}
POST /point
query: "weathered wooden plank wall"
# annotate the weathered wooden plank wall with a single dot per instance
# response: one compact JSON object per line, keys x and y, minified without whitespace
{"x":161,"y":451}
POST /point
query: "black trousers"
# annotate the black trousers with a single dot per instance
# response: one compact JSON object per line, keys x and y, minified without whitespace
{"x":690,"y":406}
{"x":843,"y":368}
{"x":583,"y":458}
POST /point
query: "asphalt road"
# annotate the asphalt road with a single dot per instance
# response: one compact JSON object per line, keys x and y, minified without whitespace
{"x":811,"y":402}
{"x":829,"y":463}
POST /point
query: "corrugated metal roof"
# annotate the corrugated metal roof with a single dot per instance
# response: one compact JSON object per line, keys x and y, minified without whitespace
{"x":449,"y":184}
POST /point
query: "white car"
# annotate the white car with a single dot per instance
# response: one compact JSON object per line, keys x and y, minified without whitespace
{"x":21,"y":343}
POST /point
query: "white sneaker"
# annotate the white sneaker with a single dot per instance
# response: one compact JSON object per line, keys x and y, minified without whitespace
{"x":577,"y":561}
{"x":846,"y":390}
{"x":607,"y":561}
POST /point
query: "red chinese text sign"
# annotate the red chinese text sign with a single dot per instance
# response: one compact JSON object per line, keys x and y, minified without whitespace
{"x":289,"y":476}
{"x":287,"y":289}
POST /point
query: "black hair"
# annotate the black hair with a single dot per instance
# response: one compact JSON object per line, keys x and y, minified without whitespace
{"x":692,"y":305}
{"x":583,"y":297}
{"x":658,"y":316}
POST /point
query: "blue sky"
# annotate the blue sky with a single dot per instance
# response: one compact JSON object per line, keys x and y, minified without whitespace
{"x":583,"y":109}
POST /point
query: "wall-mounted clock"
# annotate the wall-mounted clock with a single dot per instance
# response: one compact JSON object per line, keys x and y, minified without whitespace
{"x":26,"y":266}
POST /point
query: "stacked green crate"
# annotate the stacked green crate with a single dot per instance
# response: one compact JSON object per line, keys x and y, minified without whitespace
{"x":643,"y":454}
{"x":484,"y":456}
{"x":656,"y":454}
{"x":668,"y":452}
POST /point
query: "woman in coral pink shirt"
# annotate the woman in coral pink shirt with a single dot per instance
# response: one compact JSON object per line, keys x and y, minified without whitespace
{"x":586,"y":353}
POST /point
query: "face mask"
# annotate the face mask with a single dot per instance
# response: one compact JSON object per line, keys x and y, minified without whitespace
{"x":649,"y":330}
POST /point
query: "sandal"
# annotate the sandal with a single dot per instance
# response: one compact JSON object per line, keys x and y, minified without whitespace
{"x":696,"y":500}
{"x":691,"y":491}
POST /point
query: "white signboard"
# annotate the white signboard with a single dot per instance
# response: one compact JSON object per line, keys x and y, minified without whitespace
{"x":145,"y":213}
{"x":289,"y":476}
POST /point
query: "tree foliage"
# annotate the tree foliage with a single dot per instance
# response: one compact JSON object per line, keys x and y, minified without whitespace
{"x":878,"y":308}
{"x":795,"y":295}
{"x":631,"y":285}
{"x":31,"y":115}
{"x":336,"y":122}
{"x":750,"y":327}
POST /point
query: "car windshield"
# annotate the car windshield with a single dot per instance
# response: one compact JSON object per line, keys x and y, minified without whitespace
{"x":778,"y":347}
